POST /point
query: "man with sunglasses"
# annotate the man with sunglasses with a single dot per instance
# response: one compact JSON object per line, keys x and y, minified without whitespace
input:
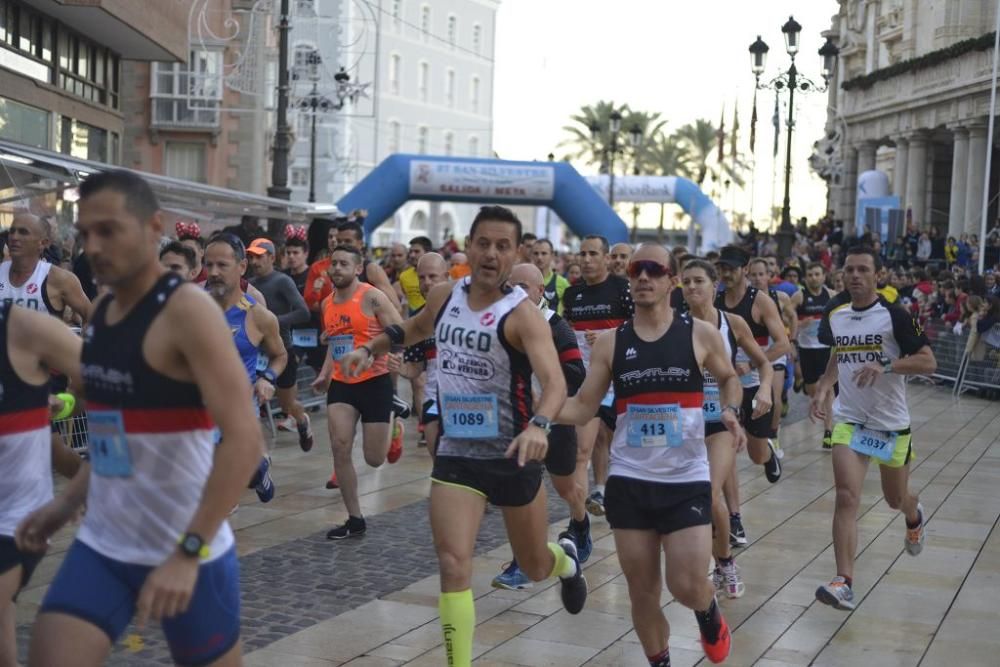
{"x":659,"y":489}
{"x":601,"y":302}
{"x":560,"y":460}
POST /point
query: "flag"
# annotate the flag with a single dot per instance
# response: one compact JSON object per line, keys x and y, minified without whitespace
{"x":776,"y":121}
{"x":736,"y":128}
{"x":753,"y":123}
{"x":721,"y":134}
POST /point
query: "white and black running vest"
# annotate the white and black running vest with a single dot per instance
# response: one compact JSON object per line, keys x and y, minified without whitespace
{"x":483,"y":384}
{"x":32,"y":294}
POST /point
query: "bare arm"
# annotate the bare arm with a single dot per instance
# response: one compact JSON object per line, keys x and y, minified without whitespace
{"x":790,"y":316}
{"x":709,"y":346}
{"x":377,"y":278}
{"x":72,"y":293}
{"x":379,"y":305}
{"x":582,"y":407}
{"x":921,"y":362}
{"x":420,"y":326}
{"x":528,"y":331}
{"x":50,"y":340}
{"x":256,"y":294}
{"x":204,"y":342}
{"x":769,"y":314}
{"x":271,"y":341}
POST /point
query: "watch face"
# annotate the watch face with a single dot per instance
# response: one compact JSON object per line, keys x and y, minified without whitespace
{"x":191,"y":545}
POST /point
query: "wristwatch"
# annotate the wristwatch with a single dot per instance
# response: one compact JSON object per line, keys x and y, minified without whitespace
{"x":269,"y":375}
{"x":736,"y":410}
{"x":541,"y":422}
{"x":192,"y":546}
{"x":886,"y":365}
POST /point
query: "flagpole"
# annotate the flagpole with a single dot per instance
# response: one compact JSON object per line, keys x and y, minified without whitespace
{"x":989,"y":147}
{"x":753,"y":155}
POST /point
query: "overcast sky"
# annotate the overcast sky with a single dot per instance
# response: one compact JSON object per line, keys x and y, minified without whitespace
{"x":683,"y":60}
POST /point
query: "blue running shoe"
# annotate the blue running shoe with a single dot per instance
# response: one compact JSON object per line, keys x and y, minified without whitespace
{"x":262,"y":482}
{"x":512,"y":579}
{"x":580,"y":537}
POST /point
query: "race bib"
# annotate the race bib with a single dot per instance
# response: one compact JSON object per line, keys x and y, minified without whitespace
{"x":341,"y":346}
{"x":878,"y":444}
{"x":305,"y":337}
{"x":811,"y":329}
{"x":108,"y":448}
{"x":712,"y":406}
{"x":262,"y":362}
{"x":609,"y":399}
{"x":654,"y":426}
{"x":470,"y":416}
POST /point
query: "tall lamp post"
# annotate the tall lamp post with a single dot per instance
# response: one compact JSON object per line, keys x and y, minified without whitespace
{"x":612,"y":148}
{"x":792,"y":80}
{"x":282,"y":135}
{"x":636,"y":136}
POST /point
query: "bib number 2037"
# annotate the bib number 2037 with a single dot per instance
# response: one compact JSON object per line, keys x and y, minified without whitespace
{"x":471,"y":416}
{"x":878,"y":444}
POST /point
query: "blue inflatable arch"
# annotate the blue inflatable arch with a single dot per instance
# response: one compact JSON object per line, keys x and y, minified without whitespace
{"x":557,"y":185}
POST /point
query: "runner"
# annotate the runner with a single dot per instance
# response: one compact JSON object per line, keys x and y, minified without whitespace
{"x":761,"y":314}
{"x":543,"y":256}
{"x":560,"y":460}
{"x":411,"y":300}
{"x":601,"y":302}
{"x":254,"y":328}
{"x":31,"y":344}
{"x":814,"y":356}
{"x":876,"y":345}
{"x":759,"y":277}
{"x":181,"y":259}
{"x":492,"y":446}
{"x":28,"y":280}
{"x":396,"y":262}
{"x":700,"y":279}
{"x":284,"y":301}
{"x":353,"y":315}
{"x":154,"y":539}
{"x":318,"y":285}
{"x":659,"y":490}
{"x":432,"y":270}
{"x":619,"y":258}
{"x":305,"y":337}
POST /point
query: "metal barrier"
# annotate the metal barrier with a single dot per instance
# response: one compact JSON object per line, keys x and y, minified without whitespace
{"x":981,"y":369}
{"x":949,"y":350}
{"x":74,"y":432}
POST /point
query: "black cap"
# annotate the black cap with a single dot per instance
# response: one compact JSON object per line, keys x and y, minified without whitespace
{"x":733,"y":256}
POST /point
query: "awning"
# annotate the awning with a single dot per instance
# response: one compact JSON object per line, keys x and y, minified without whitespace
{"x":28,"y":172}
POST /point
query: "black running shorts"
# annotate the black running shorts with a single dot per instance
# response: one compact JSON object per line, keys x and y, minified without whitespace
{"x":500,"y":481}
{"x":288,"y":377}
{"x":636,"y":504}
{"x":608,"y":416}
{"x":755,"y":428}
{"x":813,"y":363}
{"x":561,"y":457}
{"x":372,"y":398}
{"x":11,"y":557}
{"x":712,"y":428}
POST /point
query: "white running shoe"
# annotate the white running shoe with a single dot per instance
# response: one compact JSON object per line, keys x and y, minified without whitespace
{"x":914,"y":540}
{"x":287,"y":424}
{"x":732,"y":584}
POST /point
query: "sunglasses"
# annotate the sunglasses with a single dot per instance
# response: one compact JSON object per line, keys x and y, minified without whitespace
{"x":652,"y":269}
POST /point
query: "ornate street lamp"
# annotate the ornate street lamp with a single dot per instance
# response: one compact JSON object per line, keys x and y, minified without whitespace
{"x":792,"y":81}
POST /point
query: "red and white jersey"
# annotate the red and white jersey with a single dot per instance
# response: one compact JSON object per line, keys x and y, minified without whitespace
{"x":25,"y":440}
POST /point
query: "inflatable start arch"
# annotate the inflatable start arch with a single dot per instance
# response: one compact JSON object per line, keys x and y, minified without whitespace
{"x":580,"y":202}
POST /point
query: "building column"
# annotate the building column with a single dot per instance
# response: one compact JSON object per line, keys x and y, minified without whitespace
{"x":850,"y":190}
{"x":959,"y":174}
{"x":866,"y":156}
{"x":916,"y":178}
{"x":899,"y":171}
{"x":974,"y":177}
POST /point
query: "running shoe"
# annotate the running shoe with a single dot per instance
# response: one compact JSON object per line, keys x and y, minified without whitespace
{"x":837,"y":594}
{"x":574,"y":588}
{"x":396,"y":445}
{"x":716,"y":648}
{"x":262,"y":482}
{"x":512,"y":579}
{"x":772,"y":469}
{"x":914,"y":541}
{"x":595,"y":503}
{"x":718,"y":579}
{"x":400,"y":407}
{"x":776,"y":446}
{"x":286,"y":424}
{"x":353,"y":527}
{"x":305,"y":434}
{"x":732,"y":582}
{"x":827,"y":440}
{"x":421,"y":438}
{"x":737,"y":535}
{"x":785,"y":407}
{"x":798,"y":386}
{"x":582,"y":539}
{"x":332,"y":482}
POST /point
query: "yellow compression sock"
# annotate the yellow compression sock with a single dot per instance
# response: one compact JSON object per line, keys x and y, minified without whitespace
{"x":458,"y":620}
{"x":564,"y":565}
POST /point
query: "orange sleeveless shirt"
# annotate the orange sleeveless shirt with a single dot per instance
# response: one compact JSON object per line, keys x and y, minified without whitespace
{"x":348,"y":328}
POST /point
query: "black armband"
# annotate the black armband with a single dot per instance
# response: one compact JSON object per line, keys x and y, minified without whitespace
{"x":395,"y":333}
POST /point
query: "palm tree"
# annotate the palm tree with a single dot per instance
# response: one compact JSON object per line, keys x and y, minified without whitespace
{"x":701,"y":139}
{"x":668,"y":156}
{"x":650,"y":127}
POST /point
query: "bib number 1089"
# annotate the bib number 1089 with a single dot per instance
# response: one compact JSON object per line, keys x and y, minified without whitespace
{"x":470,"y":416}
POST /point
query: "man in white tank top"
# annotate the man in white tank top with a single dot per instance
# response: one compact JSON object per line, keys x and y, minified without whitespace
{"x":29,"y":281}
{"x":489,"y":341}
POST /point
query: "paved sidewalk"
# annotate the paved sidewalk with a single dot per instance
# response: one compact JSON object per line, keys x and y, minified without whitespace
{"x":373,"y":601}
